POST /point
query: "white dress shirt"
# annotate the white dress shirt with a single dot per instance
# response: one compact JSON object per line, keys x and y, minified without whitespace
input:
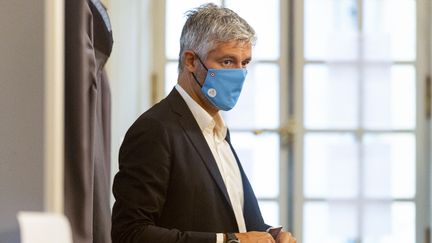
{"x":214,"y":131}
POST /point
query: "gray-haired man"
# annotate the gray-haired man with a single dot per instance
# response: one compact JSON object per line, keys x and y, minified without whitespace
{"x":180,"y":179}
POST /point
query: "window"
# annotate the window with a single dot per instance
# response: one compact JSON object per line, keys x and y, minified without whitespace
{"x":359,"y":133}
{"x":358,"y":162}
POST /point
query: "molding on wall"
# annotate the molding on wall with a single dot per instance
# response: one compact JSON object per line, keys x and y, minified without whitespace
{"x":54,"y":106}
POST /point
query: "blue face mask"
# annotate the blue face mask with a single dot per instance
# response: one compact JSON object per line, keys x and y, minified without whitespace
{"x":222,"y":87}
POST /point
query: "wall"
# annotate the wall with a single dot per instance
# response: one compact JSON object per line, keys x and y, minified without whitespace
{"x":21,"y":111}
{"x":130,"y":66}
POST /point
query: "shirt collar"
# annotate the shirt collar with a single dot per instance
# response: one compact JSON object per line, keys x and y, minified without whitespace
{"x":206,"y":122}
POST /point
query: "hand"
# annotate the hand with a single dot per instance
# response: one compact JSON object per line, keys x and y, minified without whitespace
{"x":256,"y":237}
{"x":285,"y":237}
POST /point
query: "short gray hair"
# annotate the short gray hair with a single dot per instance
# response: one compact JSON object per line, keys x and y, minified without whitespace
{"x":209,"y":25}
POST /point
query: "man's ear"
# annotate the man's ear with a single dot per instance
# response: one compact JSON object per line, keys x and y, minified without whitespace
{"x":189,"y":59}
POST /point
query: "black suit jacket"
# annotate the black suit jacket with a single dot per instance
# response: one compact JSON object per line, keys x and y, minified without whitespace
{"x":169,"y":188}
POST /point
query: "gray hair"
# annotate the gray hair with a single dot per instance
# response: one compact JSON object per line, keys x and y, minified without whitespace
{"x":209,"y":25}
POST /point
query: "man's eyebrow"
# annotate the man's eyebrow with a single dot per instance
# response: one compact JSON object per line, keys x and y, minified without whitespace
{"x":227,"y":56}
{"x":248,"y":59}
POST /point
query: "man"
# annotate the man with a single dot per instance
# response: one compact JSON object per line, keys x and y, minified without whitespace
{"x":180,"y":180}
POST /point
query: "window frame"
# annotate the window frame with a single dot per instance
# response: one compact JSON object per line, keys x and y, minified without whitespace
{"x":148,"y":84}
{"x":422,"y":131}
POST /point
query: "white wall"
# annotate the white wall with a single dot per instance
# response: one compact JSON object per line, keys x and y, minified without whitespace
{"x":21,"y":110}
{"x":130,"y":66}
{"x":31,"y":110}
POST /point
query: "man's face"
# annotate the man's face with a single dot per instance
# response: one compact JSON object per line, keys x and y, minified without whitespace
{"x":227,"y":55}
{"x":232,"y":54}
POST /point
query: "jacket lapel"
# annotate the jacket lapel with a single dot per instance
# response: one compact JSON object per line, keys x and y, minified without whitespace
{"x":251,"y":212}
{"x":192,"y":130}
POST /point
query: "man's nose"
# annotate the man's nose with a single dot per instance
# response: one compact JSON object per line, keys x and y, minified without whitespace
{"x":238,"y":65}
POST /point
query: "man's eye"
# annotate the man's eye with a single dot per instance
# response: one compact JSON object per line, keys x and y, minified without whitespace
{"x":227,"y":62}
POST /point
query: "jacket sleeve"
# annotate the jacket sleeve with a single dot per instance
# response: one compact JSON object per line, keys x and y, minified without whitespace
{"x":140,"y":189}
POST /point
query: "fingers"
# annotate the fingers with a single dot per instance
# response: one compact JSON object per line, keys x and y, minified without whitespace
{"x":286,"y":237}
{"x":263,"y":237}
{"x":266,"y":238}
{"x":265,"y":241}
{"x":291,"y":238}
{"x":255,"y":237}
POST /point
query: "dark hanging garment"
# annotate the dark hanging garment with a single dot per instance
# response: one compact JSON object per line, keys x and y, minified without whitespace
{"x":88,"y":44}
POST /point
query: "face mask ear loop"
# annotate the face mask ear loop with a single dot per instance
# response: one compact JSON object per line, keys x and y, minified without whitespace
{"x":196,"y":80}
{"x":199,"y":59}
{"x":193,"y":74}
